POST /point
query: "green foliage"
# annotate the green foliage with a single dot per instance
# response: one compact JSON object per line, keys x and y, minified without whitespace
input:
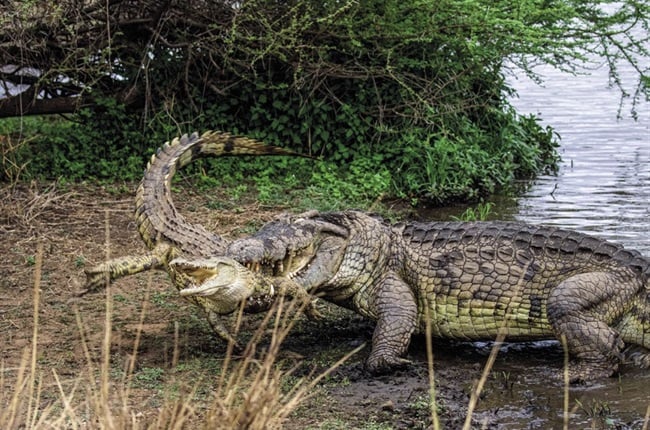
{"x":474,"y":161}
{"x":149,"y":377}
{"x":479,"y":213}
{"x":406,"y":98}
{"x":103,"y":143}
{"x":80,"y":261}
{"x":13,"y":158}
{"x":307,"y":183}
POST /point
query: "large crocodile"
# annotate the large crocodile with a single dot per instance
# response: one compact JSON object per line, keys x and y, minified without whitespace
{"x":218,"y":287}
{"x":469,"y":280}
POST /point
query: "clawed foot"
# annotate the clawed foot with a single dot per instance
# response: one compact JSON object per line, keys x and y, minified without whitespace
{"x":293,"y":290}
{"x":638,"y":356}
{"x":582,"y":373}
{"x":312,"y":312}
{"x":95,"y":277}
{"x":381,"y":364}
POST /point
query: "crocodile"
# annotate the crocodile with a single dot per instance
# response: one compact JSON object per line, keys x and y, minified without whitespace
{"x":467,"y":281}
{"x":172,"y":240}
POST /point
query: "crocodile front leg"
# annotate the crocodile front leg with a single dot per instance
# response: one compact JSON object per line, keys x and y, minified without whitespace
{"x":580,"y":310}
{"x":216,"y":324}
{"x":117,"y":267}
{"x":294,"y":291}
{"x":394,"y":307}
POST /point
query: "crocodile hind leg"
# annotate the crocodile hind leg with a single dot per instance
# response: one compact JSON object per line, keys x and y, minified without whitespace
{"x":395,"y":309}
{"x":580,"y":310}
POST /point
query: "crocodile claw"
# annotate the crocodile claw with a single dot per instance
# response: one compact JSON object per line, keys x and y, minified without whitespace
{"x":312,"y":312}
{"x":379,"y":364}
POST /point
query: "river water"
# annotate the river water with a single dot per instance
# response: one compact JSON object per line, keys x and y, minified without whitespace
{"x":603,"y":186}
{"x":603,"y":189}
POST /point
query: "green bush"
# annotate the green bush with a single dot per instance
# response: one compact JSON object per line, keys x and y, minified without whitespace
{"x":417,"y":165}
{"x":394,"y":98}
{"x":102,"y":144}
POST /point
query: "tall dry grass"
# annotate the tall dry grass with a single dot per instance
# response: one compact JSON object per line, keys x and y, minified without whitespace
{"x":251,"y":392}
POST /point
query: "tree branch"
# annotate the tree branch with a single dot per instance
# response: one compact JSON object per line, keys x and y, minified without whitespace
{"x":26,"y":103}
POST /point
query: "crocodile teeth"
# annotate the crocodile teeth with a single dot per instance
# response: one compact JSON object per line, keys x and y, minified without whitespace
{"x":277,"y":268}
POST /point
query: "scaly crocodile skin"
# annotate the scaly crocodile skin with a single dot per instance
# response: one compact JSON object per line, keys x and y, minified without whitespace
{"x":472,"y":279}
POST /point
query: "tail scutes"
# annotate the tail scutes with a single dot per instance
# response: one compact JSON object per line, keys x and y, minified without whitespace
{"x":156,"y":215}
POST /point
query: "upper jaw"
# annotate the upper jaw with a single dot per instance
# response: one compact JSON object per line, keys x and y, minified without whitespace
{"x":290,"y":265}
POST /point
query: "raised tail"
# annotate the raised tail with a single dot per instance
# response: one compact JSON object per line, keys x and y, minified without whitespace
{"x":157,"y":218}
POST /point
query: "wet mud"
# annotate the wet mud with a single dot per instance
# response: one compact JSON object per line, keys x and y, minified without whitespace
{"x":524,"y":390}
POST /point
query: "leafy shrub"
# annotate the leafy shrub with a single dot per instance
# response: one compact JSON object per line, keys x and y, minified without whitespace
{"x":401,"y":98}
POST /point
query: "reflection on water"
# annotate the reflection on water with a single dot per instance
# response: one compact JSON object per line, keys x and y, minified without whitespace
{"x":603,"y":187}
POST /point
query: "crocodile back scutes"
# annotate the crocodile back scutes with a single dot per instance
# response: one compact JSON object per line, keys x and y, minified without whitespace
{"x":554,"y":241}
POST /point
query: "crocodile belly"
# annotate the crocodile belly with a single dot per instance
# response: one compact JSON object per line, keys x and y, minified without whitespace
{"x":466,"y":318}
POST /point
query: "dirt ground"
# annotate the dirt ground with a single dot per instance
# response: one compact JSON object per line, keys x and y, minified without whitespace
{"x":174,"y":346}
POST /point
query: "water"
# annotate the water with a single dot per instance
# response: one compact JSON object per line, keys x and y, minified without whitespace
{"x":603,"y":187}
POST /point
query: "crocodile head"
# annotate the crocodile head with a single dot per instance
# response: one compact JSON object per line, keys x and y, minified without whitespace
{"x":287,"y":245}
{"x":223,"y":282}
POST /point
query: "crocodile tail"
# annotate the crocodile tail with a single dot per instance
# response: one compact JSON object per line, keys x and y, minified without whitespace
{"x":156,"y":216}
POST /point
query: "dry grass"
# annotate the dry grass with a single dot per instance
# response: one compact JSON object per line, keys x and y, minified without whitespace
{"x":251,"y":392}
{"x":24,"y":205}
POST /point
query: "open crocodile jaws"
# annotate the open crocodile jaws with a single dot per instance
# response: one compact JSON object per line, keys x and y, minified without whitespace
{"x":218,"y":277}
{"x":169,"y":236}
{"x":215,"y":275}
{"x":223,"y":285}
{"x":472,"y":280}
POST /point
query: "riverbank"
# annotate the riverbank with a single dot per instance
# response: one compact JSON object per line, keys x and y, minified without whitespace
{"x":163,"y":348}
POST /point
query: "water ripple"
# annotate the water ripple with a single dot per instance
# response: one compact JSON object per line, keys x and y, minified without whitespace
{"x":603,"y":187}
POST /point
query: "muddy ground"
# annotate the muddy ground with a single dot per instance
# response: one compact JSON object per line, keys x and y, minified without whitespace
{"x":175,"y":348}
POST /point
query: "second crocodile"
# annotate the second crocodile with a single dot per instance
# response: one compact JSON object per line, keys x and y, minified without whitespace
{"x":215,"y":283}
